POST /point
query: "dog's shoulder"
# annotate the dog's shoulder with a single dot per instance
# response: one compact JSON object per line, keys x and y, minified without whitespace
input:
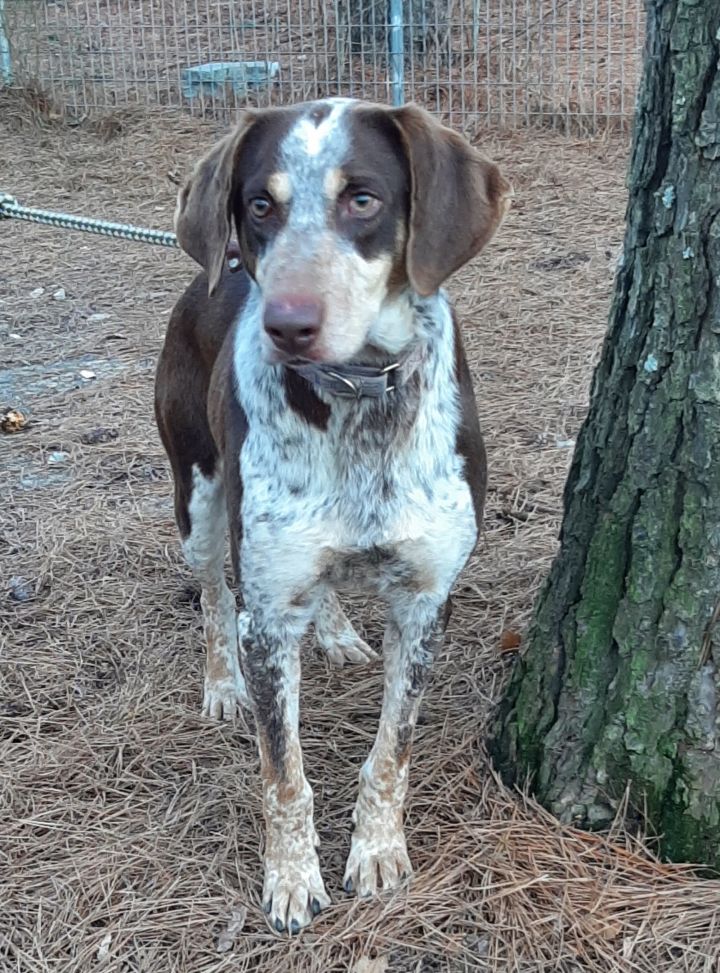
{"x":200,"y":323}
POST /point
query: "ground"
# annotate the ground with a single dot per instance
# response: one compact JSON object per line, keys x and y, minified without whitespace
{"x":131,"y":827}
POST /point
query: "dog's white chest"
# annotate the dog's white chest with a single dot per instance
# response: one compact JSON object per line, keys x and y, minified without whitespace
{"x":377,"y":495}
{"x":364,"y":526}
{"x":316,"y":507}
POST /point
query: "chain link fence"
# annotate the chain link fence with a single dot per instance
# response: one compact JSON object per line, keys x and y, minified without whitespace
{"x":570,"y":64}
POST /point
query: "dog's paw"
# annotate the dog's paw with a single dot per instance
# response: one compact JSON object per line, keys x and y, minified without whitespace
{"x":336,"y":636}
{"x":223,"y":698}
{"x":345,"y":647}
{"x":294,"y":892}
{"x":377,"y":861}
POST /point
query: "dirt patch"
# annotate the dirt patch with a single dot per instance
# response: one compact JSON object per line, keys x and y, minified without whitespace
{"x":131,"y":828}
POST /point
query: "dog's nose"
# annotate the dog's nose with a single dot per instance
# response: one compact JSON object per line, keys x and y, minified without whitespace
{"x":293,"y":323}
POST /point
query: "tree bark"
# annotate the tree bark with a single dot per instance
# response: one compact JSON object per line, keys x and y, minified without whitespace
{"x":619,"y":680}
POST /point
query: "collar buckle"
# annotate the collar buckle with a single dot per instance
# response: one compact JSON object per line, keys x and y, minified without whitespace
{"x":357,"y":381}
{"x":355,"y":391}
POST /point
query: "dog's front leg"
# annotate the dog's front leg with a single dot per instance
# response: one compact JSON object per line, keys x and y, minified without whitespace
{"x":378,"y":855}
{"x":294,"y":891}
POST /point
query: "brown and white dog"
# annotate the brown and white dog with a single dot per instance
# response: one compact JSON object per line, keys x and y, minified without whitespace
{"x":319,"y":404}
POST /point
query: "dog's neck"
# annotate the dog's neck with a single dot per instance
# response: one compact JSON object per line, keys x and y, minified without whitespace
{"x":393,"y":331}
{"x":400,"y":341}
{"x":362,"y":381}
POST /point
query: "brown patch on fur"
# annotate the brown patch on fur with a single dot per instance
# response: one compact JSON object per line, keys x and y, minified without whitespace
{"x":190,"y":420}
{"x":228,"y":423}
{"x":216,"y":667}
{"x":269,"y":771}
{"x":398,"y":279}
{"x":291,"y":784}
{"x":386,"y":770}
{"x":469,"y":441}
{"x":195,"y":334}
{"x":303,"y":400}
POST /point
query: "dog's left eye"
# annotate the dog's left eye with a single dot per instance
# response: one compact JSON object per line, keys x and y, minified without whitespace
{"x":260,"y":207}
{"x":363,"y":205}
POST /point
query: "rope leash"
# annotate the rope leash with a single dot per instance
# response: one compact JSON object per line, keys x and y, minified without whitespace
{"x":11,"y":209}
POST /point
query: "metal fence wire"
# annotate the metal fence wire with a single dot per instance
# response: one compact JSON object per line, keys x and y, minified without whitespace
{"x":571,"y":64}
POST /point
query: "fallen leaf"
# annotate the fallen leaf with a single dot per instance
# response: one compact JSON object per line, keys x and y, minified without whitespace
{"x":509,"y":640}
{"x":367,"y":965}
{"x":12,"y":420}
{"x":226,"y":939}
{"x":104,"y":948}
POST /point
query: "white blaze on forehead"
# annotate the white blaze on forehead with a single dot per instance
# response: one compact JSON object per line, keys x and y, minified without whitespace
{"x":315,"y":135}
{"x":317,"y":144}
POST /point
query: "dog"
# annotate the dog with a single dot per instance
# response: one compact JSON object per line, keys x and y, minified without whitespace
{"x":318,"y":407}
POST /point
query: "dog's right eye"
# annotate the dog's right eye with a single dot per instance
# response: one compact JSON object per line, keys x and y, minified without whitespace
{"x":260,"y":207}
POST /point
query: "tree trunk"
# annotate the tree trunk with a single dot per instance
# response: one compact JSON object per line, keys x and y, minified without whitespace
{"x":619,"y":681}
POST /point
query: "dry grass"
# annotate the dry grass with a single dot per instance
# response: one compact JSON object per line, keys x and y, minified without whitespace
{"x":130,"y":827}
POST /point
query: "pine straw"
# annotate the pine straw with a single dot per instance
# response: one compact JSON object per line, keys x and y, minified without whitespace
{"x":125,"y":815}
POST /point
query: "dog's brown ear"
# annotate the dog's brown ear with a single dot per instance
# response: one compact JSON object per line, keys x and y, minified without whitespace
{"x":203,"y":216}
{"x":458,"y":199}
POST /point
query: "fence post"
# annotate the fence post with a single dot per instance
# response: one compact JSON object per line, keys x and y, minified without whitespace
{"x":397,"y":53}
{"x":5,"y":63}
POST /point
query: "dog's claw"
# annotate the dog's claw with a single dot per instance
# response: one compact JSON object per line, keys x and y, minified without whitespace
{"x":223,"y":699}
{"x":295,"y":892}
{"x":377,"y":863}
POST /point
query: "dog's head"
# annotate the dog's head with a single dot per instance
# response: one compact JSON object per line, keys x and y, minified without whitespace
{"x":340,"y":207}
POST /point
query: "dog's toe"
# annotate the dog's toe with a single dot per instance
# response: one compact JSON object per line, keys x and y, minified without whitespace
{"x":376,"y":865}
{"x":336,"y":636}
{"x":292,"y":902}
{"x":348,"y":648}
{"x":223,"y":698}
